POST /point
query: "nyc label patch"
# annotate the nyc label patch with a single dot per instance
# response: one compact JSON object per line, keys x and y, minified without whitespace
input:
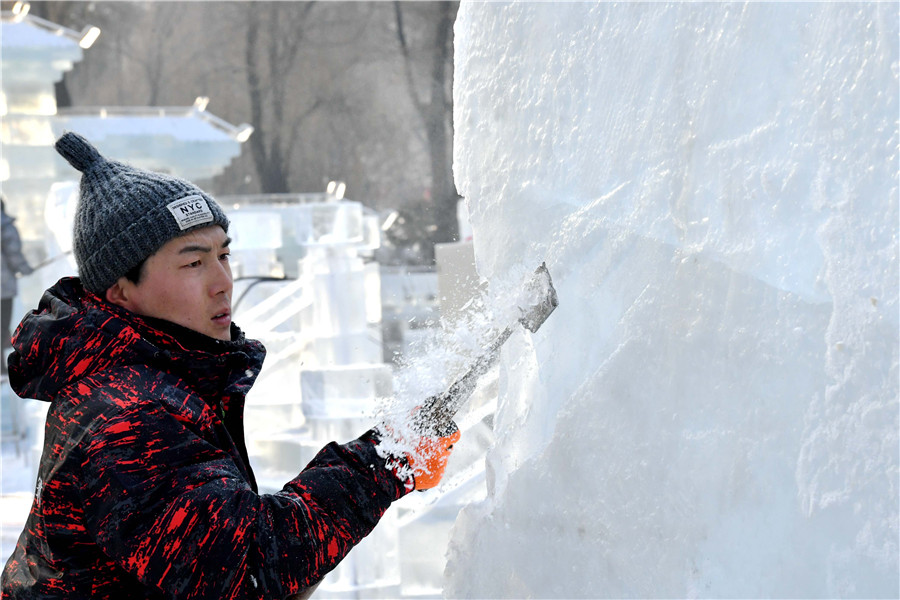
{"x":190,"y":211}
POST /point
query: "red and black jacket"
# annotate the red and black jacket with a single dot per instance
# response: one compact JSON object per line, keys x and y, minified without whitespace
{"x":144,"y":488}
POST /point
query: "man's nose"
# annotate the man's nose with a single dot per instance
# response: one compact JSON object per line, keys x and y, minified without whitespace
{"x":221,"y":279}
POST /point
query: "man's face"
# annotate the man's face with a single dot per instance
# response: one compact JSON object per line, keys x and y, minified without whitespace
{"x":188,"y":282}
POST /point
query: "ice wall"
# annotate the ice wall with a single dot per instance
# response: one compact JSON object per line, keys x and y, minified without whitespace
{"x":712,"y":411}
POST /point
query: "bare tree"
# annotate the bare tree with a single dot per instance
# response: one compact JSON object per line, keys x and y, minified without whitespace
{"x":434,"y":104}
{"x":76,"y":15}
{"x":325,"y":85}
{"x":273,"y":40}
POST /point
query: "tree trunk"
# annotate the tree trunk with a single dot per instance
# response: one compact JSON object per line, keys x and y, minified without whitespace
{"x":437,"y":115}
{"x":269,"y":59}
{"x":440,"y":133}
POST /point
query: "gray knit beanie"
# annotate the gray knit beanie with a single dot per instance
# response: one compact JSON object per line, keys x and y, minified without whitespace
{"x":126,"y":214}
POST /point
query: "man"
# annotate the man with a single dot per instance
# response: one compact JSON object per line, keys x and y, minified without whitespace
{"x":14,"y":263}
{"x":145,"y":489}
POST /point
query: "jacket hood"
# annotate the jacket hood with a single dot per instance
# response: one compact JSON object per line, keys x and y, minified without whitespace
{"x":74,"y":334}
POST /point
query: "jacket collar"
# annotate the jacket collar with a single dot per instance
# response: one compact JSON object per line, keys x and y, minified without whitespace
{"x":74,"y":334}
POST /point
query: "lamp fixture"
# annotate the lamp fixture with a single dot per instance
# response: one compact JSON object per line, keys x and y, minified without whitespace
{"x":390,"y":220}
{"x":243,"y":132}
{"x":336,"y":189}
{"x":89,"y":35}
{"x":20,"y":9}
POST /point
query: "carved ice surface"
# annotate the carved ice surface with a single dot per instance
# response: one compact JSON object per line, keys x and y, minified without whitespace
{"x":712,"y":410}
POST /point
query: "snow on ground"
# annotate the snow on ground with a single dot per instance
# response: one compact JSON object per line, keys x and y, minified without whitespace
{"x":712,"y":411}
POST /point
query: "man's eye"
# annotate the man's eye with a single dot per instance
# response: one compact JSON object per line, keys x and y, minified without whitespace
{"x":226,"y":256}
{"x":196,"y":263}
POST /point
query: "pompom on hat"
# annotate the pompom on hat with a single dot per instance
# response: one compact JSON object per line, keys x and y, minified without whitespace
{"x":125,"y":214}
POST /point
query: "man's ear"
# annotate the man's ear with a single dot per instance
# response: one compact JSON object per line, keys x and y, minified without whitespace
{"x":118,"y":293}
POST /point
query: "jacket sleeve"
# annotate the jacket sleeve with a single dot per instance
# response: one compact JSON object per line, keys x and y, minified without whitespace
{"x":168,"y":505}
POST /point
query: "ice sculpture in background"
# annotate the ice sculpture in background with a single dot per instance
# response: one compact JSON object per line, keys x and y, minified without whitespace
{"x":303,"y":288}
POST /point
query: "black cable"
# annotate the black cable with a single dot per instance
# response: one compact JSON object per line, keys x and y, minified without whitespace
{"x":259,"y":279}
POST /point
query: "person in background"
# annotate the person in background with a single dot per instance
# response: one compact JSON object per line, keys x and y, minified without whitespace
{"x":14,"y":264}
{"x":145,"y":488}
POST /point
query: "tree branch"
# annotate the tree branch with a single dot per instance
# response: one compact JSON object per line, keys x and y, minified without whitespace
{"x":407,"y":61}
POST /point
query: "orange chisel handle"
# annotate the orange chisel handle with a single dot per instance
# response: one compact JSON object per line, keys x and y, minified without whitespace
{"x":429,"y":460}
